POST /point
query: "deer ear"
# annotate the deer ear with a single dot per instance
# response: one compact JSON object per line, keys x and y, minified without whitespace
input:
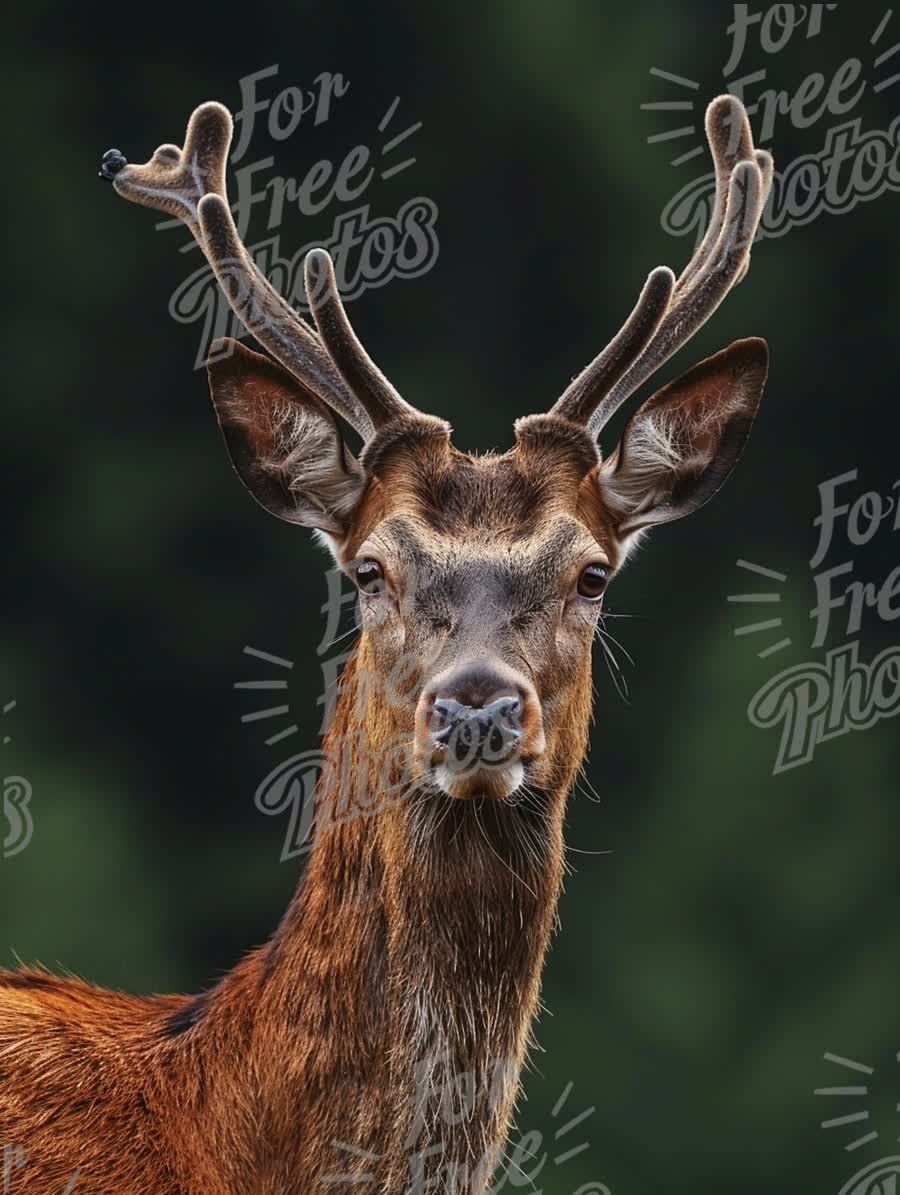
{"x":680,"y":446}
{"x":283,"y":441}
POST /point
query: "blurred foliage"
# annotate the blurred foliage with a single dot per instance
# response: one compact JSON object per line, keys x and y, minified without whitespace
{"x":742,"y":923}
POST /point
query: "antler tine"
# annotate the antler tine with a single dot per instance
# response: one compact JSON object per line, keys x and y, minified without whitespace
{"x":730,"y":141}
{"x":175,"y":180}
{"x":582,"y":395}
{"x":723,"y":256}
{"x":179,"y":182}
{"x":381,"y":401}
{"x":766,"y":166}
{"x":262,"y":311}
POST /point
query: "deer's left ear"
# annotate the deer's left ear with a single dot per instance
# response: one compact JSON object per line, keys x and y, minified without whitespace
{"x":680,"y":446}
{"x":283,"y":441}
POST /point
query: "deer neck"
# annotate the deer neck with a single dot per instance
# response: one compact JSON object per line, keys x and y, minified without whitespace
{"x":405,"y":975}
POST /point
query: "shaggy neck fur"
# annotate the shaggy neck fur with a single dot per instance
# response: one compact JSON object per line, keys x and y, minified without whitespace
{"x":393,"y":1004}
{"x":379,"y":1033}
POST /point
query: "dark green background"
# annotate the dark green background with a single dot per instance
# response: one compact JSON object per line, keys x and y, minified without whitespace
{"x":743,"y":924}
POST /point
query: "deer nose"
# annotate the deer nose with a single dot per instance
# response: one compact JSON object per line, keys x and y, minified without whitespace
{"x":477,"y":734}
{"x":480,"y":715}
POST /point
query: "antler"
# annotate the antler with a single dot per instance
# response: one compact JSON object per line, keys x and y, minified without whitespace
{"x":669,"y":313}
{"x":190,"y":184}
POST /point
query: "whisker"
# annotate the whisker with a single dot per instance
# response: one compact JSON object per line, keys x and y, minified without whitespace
{"x":613,"y":639}
{"x":611,"y":662}
{"x":354,"y":630}
{"x":591,"y":794}
{"x":498,"y":856}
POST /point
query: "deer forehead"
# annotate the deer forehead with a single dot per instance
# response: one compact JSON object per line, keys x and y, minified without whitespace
{"x":518,"y":505}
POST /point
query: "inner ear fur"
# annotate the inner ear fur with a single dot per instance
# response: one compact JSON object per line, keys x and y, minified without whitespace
{"x":283,"y":441}
{"x":680,"y":446}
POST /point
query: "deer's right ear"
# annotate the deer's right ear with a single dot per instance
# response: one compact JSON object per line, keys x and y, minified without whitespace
{"x":283,"y":441}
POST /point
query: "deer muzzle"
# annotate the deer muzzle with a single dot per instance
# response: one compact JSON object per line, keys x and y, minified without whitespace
{"x":478,"y":724}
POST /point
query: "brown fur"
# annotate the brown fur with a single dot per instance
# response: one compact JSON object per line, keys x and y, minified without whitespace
{"x":409,"y":960}
{"x":418,"y":931}
{"x":415,"y":934}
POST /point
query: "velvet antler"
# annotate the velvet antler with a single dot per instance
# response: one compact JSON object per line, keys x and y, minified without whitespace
{"x":190,"y":183}
{"x":669,"y":313}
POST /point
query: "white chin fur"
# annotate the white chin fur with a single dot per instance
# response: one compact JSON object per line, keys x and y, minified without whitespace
{"x":507,"y":778}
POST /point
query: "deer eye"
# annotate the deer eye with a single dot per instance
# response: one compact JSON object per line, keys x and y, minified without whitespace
{"x":593,"y":581}
{"x":369,"y":576}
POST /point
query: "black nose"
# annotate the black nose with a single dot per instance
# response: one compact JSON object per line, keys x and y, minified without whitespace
{"x":112,"y":162}
{"x":481,"y":723}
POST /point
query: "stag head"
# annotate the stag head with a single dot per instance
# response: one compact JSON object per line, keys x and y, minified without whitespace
{"x":481,"y":578}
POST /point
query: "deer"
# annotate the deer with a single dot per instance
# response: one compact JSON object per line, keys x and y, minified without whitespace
{"x":413,"y":948}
